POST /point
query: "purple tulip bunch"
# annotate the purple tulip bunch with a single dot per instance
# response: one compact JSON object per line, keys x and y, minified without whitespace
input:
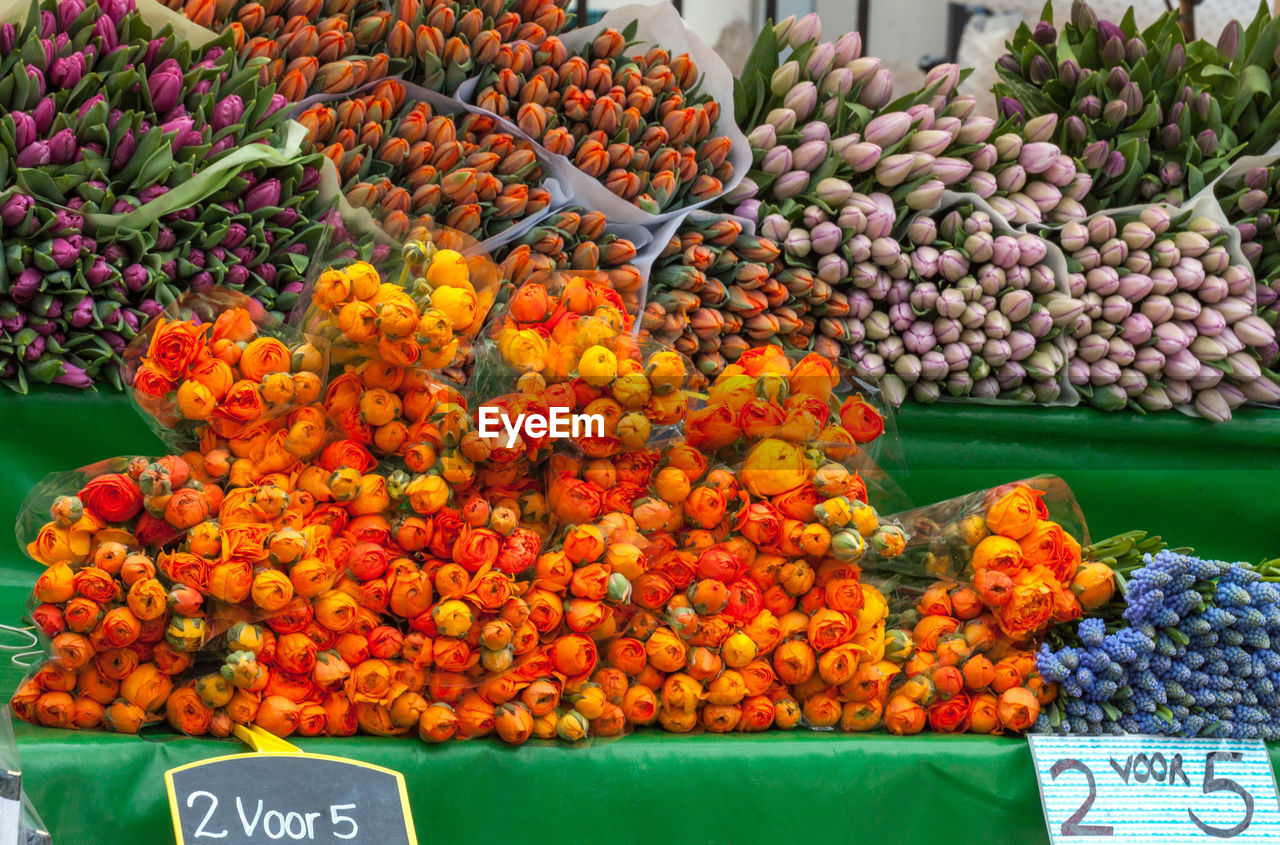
{"x":103,"y":118}
{"x":825,"y":129}
{"x":257,"y":235}
{"x":1169,"y":318}
{"x":1138,"y":110}
{"x":1251,"y":201}
{"x":67,"y":311}
{"x":74,"y":301}
{"x":103,"y":114}
{"x":962,"y":306}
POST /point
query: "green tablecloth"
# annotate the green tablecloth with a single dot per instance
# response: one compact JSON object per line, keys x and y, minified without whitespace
{"x":1213,"y":487}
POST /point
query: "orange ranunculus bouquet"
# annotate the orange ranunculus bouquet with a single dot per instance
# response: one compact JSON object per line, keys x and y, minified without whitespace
{"x":214,"y":364}
{"x":370,"y":557}
{"x":574,"y":328}
{"x":982,"y":578}
{"x":562,"y":350}
{"x":117,"y":628}
{"x":426,"y":318}
{"x":770,"y":408}
{"x":389,"y":408}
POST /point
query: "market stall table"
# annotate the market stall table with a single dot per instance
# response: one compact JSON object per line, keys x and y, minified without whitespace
{"x":1198,"y":484}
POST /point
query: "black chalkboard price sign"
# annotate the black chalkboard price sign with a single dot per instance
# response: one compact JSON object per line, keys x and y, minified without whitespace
{"x":268,"y":799}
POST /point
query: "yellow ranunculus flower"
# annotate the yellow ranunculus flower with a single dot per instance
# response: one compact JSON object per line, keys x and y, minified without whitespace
{"x":865,"y":518}
{"x":667,"y":409}
{"x":874,"y":610}
{"x":531,"y":383}
{"x":773,"y":387}
{"x":632,"y":390}
{"x":598,"y":366}
{"x":397,"y":316}
{"x":734,"y":391}
{"x":738,"y":650}
{"x":666,"y":371}
{"x":427,"y":494}
{"x":435,"y":328}
{"x":610,"y":316}
{"x":633,"y":430}
{"x":185,"y":633}
{"x":195,"y":401}
{"x":594,"y":331}
{"x":364,"y":280}
{"x":458,"y":303}
{"x":453,"y":618}
{"x":872,"y":640}
{"x":448,"y":269}
{"x":775,"y":466}
{"x":456,"y":469}
{"x":524,"y":349}
{"x":973,"y":529}
{"x":436,"y":359}
{"x":344,"y":483}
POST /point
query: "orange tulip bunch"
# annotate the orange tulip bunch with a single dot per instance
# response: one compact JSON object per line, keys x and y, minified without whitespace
{"x":716,"y":291}
{"x":448,"y":40}
{"x":330,"y":46}
{"x":574,"y":239}
{"x":221,"y":377}
{"x":410,"y":166}
{"x":579,"y":105}
{"x":311,"y":46}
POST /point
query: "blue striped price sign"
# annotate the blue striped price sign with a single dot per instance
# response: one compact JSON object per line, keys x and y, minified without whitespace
{"x":1151,"y":790}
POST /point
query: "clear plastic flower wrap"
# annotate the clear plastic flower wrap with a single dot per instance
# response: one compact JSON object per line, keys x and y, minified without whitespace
{"x":33,"y":830}
{"x":770,"y":394}
{"x":1014,"y":550}
{"x":426,"y":318}
{"x":484,"y":650}
{"x":564,"y":340}
{"x":714,"y":289}
{"x":10,"y":765}
{"x":115,"y":612}
{"x":214,"y":363}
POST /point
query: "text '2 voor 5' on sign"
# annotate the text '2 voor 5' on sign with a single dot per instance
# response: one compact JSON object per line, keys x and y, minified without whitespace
{"x":1156,"y":790}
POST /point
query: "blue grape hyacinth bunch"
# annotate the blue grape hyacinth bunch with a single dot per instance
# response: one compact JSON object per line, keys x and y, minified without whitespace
{"x":1193,"y":650}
